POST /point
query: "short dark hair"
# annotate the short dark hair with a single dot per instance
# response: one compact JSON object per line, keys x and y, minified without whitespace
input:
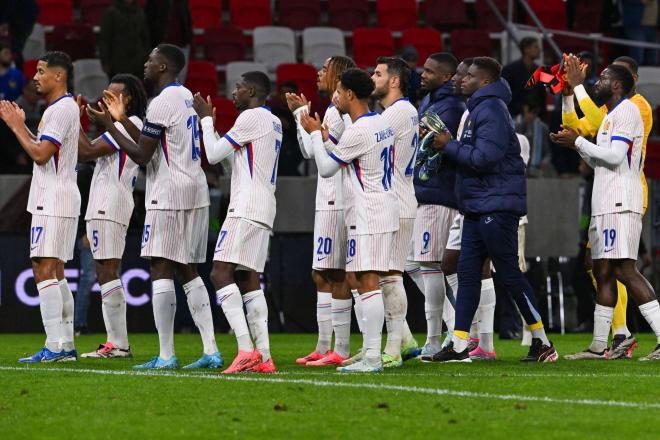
{"x":397,"y":67}
{"x":135,"y":89}
{"x":259,"y":81}
{"x":174,"y":57}
{"x":631,"y":62}
{"x":526,"y":42}
{"x":623,"y":75}
{"x":62,"y":60}
{"x":488,"y":65}
{"x":468,"y":61}
{"x":446,"y":59}
{"x":358,"y":81}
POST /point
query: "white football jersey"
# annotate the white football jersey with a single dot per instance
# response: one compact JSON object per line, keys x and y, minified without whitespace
{"x":175,"y":179}
{"x":402,"y":117}
{"x":257,"y":140}
{"x":367,"y":148}
{"x":53,"y":190}
{"x":461,"y":124}
{"x":115,"y":175}
{"x":620,"y":189}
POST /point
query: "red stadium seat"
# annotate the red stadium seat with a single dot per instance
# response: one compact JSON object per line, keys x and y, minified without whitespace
{"x":223,"y":45}
{"x":78,"y":40}
{"x":304,"y":75}
{"x":445,"y":14}
{"x":55,"y":12}
{"x":206,"y":13}
{"x":92,"y":10}
{"x":552,"y":13}
{"x":202,"y":77}
{"x":486,"y":18}
{"x":348,"y":14}
{"x":571,"y":44}
{"x":249,"y":14}
{"x":396,"y":15}
{"x":425,"y":40}
{"x":587,"y":16}
{"x":300,"y":14}
{"x":29,"y":69}
{"x":226,"y":114}
{"x":371,"y":43}
{"x":470,"y":43}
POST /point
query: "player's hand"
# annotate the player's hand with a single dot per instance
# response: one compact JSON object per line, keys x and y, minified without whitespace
{"x":575,"y":72}
{"x":295,"y":101}
{"x":310,"y":123}
{"x":21,"y":112}
{"x":567,"y":90}
{"x":13,"y":117}
{"x":116,"y":105}
{"x":440,"y":140}
{"x":81,"y":106}
{"x":101,"y":117}
{"x":202,"y":106}
{"x":566,"y":137}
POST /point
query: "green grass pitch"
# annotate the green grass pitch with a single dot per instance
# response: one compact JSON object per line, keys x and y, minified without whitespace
{"x":106,"y":399}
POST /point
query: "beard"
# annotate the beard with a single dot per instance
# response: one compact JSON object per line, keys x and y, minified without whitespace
{"x":601,"y":96}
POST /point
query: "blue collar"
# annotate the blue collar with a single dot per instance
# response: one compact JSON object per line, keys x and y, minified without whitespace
{"x":174,"y":84}
{"x":400,"y":99}
{"x":266,"y":107}
{"x":366,"y":115}
{"x":616,"y":105}
{"x":68,"y":95}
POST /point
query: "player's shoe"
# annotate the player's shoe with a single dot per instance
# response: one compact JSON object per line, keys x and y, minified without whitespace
{"x":587,"y":354}
{"x":214,"y":360}
{"x":331,"y":358}
{"x":478,"y":354}
{"x":653,"y":356}
{"x":313,"y":356}
{"x":390,"y":361}
{"x":363,"y":366}
{"x":448,"y":354}
{"x":410,"y":350}
{"x":473,"y":343}
{"x":539,"y":352}
{"x":267,"y":367}
{"x":622,"y":347}
{"x":69,"y":356}
{"x":108,"y":350}
{"x":244,"y":360}
{"x":355,"y":359}
{"x":156,"y":363}
{"x":43,"y":355}
{"x":429,"y":350}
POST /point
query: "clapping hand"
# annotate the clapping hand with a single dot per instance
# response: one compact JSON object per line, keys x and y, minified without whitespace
{"x":204,"y":108}
{"x":101,"y":117}
{"x":576,"y":72}
{"x":566,"y":137}
{"x":295,"y":101}
{"x":116,"y":105}
{"x":12,"y":114}
{"x":311,"y":124}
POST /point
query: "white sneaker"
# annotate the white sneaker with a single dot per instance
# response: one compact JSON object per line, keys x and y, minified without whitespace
{"x":652,"y":356}
{"x":364,"y":366}
{"x":355,"y":359}
{"x":108,"y":350}
{"x":586,"y":354}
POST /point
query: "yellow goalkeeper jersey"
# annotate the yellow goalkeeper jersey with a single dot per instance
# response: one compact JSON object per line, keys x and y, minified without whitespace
{"x":594,"y":115}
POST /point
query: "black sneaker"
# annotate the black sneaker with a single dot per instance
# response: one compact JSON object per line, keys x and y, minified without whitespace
{"x":447,"y":354}
{"x":538,"y":352}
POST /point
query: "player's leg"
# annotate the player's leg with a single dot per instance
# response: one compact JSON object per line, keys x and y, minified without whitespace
{"x":449,"y":267}
{"x":66,"y":332}
{"x":257,"y":317}
{"x":324,"y":289}
{"x":396,"y":306}
{"x":485,"y":349}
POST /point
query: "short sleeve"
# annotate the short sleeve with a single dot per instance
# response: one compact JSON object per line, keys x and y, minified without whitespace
{"x":247,"y":128}
{"x":335,"y":124}
{"x":159,"y":117}
{"x":349,"y":147}
{"x":56,"y":123}
{"x":110,"y":140}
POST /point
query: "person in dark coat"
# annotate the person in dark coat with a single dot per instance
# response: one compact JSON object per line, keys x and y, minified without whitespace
{"x":491,"y":193}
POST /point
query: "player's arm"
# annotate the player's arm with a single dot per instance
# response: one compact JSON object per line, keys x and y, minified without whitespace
{"x":90,"y":150}
{"x":116,"y":105}
{"x":611,"y":157}
{"x":217,"y":149}
{"x":484,"y":152}
{"x":593,"y":115}
{"x":299,"y":105}
{"x":40,"y":151}
{"x":327,"y":164}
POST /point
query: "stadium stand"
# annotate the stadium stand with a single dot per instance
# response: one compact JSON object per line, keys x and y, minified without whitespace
{"x":92,"y":10}
{"x":320,"y":43}
{"x":299,"y":14}
{"x":226,"y":113}
{"x":445,"y":14}
{"x":274,"y":45}
{"x":396,"y":15}
{"x":202,"y":77}
{"x":649,"y":84}
{"x":470,"y":43}
{"x":89,"y":78}
{"x":303,"y":75}
{"x":485,"y":17}
{"x":552,"y":13}
{"x":249,"y":14}
{"x":370,"y":43}
{"x":236,"y":69}
{"x":35,"y":45}
{"x":348,"y":14}
{"x":222,"y":45}
{"x":55,"y":12}
{"x":425,"y":40}
{"x":78,"y":40}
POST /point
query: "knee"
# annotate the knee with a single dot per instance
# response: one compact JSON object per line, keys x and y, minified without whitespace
{"x":221,"y":276}
{"x":448,"y":266}
{"x":624,"y":273}
{"x":106,"y":272}
{"x":43,"y":270}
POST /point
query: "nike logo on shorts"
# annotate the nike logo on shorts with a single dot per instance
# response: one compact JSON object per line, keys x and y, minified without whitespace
{"x":33,"y":247}
{"x":488,"y":220}
{"x":321,"y":258}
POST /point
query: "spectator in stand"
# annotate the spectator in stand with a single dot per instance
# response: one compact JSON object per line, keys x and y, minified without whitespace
{"x":537,"y":133}
{"x":290,"y":156}
{"x":170,"y":22}
{"x":124,"y":40}
{"x":17,"y":18}
{"x":11,"y":79}
{"x":591,"y":78}
{"x":640,"y":18}
{"x":518,"y":72}
{"x":32,"y":105}
{"x":410,"y":55}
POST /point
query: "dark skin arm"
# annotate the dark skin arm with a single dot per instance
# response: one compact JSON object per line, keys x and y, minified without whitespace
{"x":92,"y":150}
{"x":566,"y":137}
{"x":14,"y":117}
{"x":140,"y":152}
{"x":117,"y":108}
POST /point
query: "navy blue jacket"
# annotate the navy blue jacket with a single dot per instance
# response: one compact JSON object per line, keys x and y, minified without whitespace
{"x":491,"y":173}
{"x":439,"y":189}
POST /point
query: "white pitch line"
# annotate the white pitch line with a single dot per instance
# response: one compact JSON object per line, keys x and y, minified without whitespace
{"x":482,"y":375}
{"x":329,"y":384}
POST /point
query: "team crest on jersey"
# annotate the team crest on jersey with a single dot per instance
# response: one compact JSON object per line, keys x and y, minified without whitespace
{"x":606,"y":127}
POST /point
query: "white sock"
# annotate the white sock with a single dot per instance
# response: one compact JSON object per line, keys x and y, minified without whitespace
{"x":486,"y":314}
{"x":474,"y":327}
{"x":396,"y":306}
{"x":66,"y":332}
{"x":113,"y":305}
{"x":602,"y":324}
{"x":257,"y":318}
{"x":341,"y":325}
{"x":651,"y":312}
{"x":373,"y":311}
{"x":164,"y":305}
{"x":434,"y":297}
{"x":51,"y":312}
{"x":415,"y":272}
{"x":357,"y":307}
{"x":526,"y":332}
{"x":324,"y":320}
{"x":540,"y":334}
{"x":229,"y":298}
{"x":460,"y":344}
{"x":199,"y":305}
{"x":407,"y":334}
{"x":448,"y":312}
